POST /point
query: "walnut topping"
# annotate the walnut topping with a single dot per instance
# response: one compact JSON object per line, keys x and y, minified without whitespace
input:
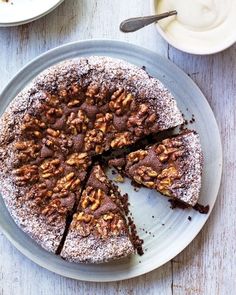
{"x":169,"y":149}
{"x":74,"y":89}
{"x":120,"y":102}
{"x":53,"y":208}
{"x":94,"y":141}
{"x":140,"y":119}
{"x":62,"y":93}
{"x":52,"y":100}
{"x":109,"y":224}
{"x":80,"y":160}
{"x":50,"y":168}
{"x":78,"y":123}
{"x":68,"y":182}
{"x":92,"y":89}
{"x":96,"y":95}
{"x":170,"y":172}
{"x":166,"y":177}
{"x":83,"y":217}
{"x":81,"y":222}
{"x":108,"y":216}
{"x":26,"y":174}
{"x":27,"y":150}
{"x":121,"y":139}
{"x":31,"y":123}
{"x":52,"y":132}
{"x":117,"y":225}
{"x":146,"y":175}
{"x":92,"y":198}
{"x":137,"y":156}
{"x":103,"y":122}
{"x":99,"y":174}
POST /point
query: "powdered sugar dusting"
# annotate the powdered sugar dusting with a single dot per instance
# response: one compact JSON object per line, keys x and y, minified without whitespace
{"x":192,"y":169}
{"x":93,"y":250}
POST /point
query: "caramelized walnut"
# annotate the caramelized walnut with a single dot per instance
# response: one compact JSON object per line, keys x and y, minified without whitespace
{"x":99,"y":174}
{"x":141,"y":119}
{"x":103,"y":122}
{"x":27,"y":150}
{"x":109,"y":224}
{"x":54,"y":113}
{"x":94,"y":141}
{"x":122,"y":139}
{"x":53,"y":210}
{"x":81,"y":222}
{"x":117,"y":225}
{"x":167,"y":177}
{"x":80,"y":160}
{"x":137,"y":156}
{"x":120,"y":102}
{"x":83,"y":217}
{"x":52,"y":100}
{"x":26,"y":174}
{"x":169,"y":149}
{"x":32,"y":124}
{"x":91,"y":198}
{"x":146,"y":175}
{"x":78,"y":123}
{"x":169,"y":172}
{"x":96,"y":95}
{"x":67,"y":183}
{"x":50,"y":168}
{"x":52,"y":132}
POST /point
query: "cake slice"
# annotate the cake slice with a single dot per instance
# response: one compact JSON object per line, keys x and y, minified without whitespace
{"x":173,"y":167}
{"x":99,"y":230}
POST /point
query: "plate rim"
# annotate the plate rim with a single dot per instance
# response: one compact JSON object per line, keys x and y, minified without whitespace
{"x":106,"y":43}
{"x":31,"y":19}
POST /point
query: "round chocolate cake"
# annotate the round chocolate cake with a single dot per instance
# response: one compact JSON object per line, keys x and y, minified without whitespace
{"x":51,"y":132}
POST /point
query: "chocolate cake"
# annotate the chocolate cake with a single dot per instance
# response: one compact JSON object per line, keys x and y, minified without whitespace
{"x":98,"y":232}
{"x":51,"y":131}
{"x":173,"y":167}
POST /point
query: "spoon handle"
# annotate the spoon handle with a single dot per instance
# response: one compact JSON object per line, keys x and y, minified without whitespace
{"x":136,"y":23}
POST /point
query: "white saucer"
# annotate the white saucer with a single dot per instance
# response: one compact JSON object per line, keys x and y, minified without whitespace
{"x":17,"y":12}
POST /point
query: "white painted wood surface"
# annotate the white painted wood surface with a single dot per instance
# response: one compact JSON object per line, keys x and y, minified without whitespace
{"x":208,"y":264}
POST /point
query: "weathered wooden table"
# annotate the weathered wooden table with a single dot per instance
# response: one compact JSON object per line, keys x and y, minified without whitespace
{"x":208,"y":264}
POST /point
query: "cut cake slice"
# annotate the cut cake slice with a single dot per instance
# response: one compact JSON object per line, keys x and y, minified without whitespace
{"x":99,"y":230}
{"x":173,"y":167}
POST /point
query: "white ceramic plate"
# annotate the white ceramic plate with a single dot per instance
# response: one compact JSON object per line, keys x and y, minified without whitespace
{"x":17,"y":12}
{"x":170,"y":231}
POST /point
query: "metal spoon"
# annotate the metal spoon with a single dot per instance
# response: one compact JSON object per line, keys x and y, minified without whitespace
{"x":136,"y":23}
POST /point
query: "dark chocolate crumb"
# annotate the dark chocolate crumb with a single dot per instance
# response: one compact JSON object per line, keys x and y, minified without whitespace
{"x":202,"y":209}
{"x":177,"y":204}
{"x":189,"y":218}
{"x":198,"y":207}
